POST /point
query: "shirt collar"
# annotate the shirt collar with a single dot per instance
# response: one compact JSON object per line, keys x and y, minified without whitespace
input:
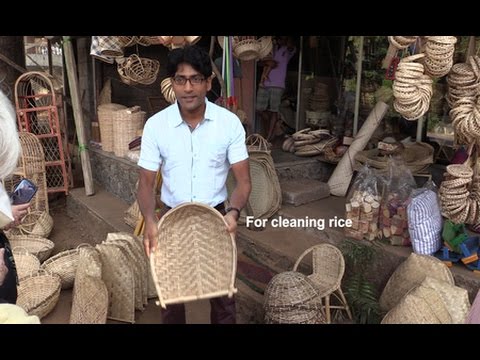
{"x":209,"y":113}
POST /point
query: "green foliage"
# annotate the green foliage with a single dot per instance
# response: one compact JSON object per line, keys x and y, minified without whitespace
{"x":362,"y":298}
{"x":361,"y":294}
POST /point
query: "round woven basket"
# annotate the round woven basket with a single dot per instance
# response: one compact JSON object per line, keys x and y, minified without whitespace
{"x":39,"y":246}
{"x":247,"y":49}
{"x":38,"y":223}
{"x":291,"y":298}
{"x":25,"y":263}
{"x":196,"y":257}
{"x":138,"y":70}
{"x":38,"y":294}
{"x":63,"y":264}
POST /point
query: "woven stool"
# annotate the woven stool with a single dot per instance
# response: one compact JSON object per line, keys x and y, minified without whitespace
{"x":328,"y":268}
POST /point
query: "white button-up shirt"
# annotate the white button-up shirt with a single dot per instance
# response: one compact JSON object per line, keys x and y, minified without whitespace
{"x":194,"y":163}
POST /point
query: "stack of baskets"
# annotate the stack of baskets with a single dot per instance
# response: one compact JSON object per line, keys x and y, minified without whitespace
{"x":308,"y":142}
{"x":266,"y":195}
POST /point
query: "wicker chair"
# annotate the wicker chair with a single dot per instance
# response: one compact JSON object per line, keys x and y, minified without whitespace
{"x":328,"y":268}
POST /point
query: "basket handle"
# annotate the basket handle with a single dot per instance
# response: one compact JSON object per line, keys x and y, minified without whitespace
{"x":257,"y":141}
{"x":21,"y":248}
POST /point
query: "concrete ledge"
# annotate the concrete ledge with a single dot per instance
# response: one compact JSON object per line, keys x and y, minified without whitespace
{"x":302,"y":191}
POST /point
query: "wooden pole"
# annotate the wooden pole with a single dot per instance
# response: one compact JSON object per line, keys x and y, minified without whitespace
{"x":358,"y":87}
{"x":78,"y":115}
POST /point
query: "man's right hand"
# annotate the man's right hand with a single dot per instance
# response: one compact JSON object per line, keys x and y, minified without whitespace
{"x":150,"y":236}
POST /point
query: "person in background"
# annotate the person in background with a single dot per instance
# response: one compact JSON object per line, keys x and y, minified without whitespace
{"x":272,"y":84}
{"x":10,"y":214}
{"x":194,"y":142}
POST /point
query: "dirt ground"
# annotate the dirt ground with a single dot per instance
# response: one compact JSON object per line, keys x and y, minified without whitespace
{"x":71,"y":230}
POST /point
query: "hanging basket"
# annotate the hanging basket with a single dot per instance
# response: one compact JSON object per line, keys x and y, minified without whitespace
{"x":137,"y":70}
{"x":247,"y":49}
{"x":265,"y":46}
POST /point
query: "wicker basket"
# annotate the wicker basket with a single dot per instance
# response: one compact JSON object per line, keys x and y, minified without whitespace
{"x":38,"y":223}
{"x":126,"y":124}
{"x":64,"y":264}
{"x":39,"y":246}
{"x":25,"y":263}
{"x":410,"y":274}
{"x":196,"y":258}
{"x":90,"y":301}
{"x":246,"y":49}
{"x":291,"y":298}
{"x":90,"y":294}
{"x":139,"y":270}
{"x":265,"y":46}
{"x":118,"y":276}
{"x":38,"y":294}
{"x":455,"y":298}
{"x":421,"y":305}
{"x":137,"y":70}
{"x":105,"y":122}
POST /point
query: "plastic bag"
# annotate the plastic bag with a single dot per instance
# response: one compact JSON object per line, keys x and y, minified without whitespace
{"x":363,"y":205}
{"x":393,"y":218}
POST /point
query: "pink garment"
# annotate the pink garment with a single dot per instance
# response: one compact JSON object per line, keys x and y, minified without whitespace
{"x":473,"y":316}
{"x":276,"y":77}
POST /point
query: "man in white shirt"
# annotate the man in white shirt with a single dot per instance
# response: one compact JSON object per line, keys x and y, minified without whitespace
{"x":195,"y":143}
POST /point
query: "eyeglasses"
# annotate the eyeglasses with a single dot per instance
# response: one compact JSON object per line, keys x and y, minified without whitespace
{"x":194,"y":80}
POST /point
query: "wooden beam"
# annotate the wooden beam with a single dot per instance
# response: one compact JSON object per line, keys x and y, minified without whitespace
{"x":12,"y":64}
{"x":71,"y":68}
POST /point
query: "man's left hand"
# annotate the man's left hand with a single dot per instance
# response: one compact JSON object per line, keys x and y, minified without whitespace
{"x":231,"y":219}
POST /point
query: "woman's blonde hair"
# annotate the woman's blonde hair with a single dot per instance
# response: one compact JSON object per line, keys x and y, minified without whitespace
{"x":9,"y":141}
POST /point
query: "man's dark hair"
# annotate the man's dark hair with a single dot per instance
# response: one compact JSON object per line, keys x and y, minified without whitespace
{"x":193,"y":55}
